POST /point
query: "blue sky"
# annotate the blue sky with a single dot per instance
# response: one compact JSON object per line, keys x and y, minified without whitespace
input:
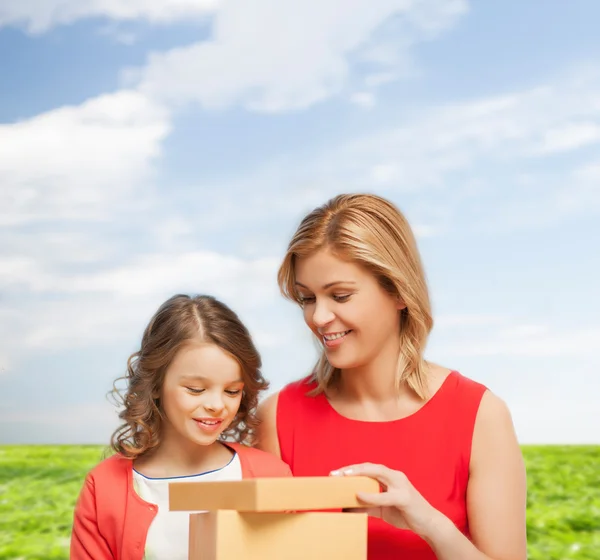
{"x":151,"y":147}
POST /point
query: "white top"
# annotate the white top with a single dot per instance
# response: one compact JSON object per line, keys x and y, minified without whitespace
{"x":168,"y":535}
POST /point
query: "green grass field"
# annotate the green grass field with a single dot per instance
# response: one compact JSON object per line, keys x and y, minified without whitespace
{"x":39,"y":486}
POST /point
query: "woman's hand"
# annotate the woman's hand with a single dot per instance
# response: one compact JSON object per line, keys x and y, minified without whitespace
{"x":399,"y":503}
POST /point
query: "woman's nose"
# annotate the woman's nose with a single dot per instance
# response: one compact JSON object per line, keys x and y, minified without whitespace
{"x":322,"y":315}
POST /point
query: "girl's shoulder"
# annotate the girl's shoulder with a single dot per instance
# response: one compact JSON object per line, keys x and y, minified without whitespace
{"x":257,"y":463}
{"x":111,"y":468}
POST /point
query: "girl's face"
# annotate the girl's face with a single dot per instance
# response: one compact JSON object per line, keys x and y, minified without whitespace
{"x":201,"y":393}
{"x":347,"y":309}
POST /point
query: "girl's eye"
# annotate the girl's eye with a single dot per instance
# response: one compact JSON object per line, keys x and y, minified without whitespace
{"x":233,"y":392}
{"x":194,"y":391}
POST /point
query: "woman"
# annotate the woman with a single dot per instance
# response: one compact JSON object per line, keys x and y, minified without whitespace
{"x":442,"y":445}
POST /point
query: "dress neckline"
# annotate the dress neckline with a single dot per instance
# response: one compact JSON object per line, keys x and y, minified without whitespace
{"x":452,"y":375}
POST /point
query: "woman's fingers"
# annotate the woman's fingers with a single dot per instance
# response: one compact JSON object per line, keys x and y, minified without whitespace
{"x":371,"y":511}
{"x":385,"y":499}
{"x":378,"y":472}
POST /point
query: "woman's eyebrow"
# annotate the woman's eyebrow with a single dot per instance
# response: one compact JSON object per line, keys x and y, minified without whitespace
{"x":328,"y":285}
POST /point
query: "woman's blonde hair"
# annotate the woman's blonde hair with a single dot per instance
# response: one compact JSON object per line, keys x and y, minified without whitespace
{"x":370,"y":231}
{"x":180,"y":320}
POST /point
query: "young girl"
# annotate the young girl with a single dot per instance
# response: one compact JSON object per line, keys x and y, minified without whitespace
{"x":442,"y":445}
{"x":192,"y":387}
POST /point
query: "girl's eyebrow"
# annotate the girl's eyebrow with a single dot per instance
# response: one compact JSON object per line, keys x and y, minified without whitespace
{"x":329,"y":285}
{"x":195,"y":377}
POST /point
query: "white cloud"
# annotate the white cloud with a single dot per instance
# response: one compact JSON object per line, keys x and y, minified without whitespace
{"x":473,"y":164}
{"x":581,"y":192}
{"x":12,"y":322}
{"x":472,"y":157}
{"x":23,"y":251}
{"x":145,"y":275}
{"x":530,"y":340}
{"x":270,"y":339}
{"x":570,"y":137}
{"x":379,"y":78}
{"x":423,"y":231}
{"x":4,"y":363}
{"x":39,"y":16}
{"x":75,"y":163}
{"x":538,"y":421}
{"x":83,"y":423}
{"x":460,"y":137}
{"x":536,"y":368}
{"x":492,"y":159}
{"x":120,"y":36}
{"x":525,"y":331}
{"x":233,"y":277}
{"x":469,"y":320}
{"x":384,"y":173}
{"x":109,"y":304}
{"x":271,"y":56}
{"x":364,"y":99}
{"x":588,"y":173}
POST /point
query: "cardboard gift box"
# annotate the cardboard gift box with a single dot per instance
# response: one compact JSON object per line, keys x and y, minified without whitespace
{"x":274,"y":518}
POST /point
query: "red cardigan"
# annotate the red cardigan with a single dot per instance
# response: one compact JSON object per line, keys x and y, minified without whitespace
{"x":111,"y":521}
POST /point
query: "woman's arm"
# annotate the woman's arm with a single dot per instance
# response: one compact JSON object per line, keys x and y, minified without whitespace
{"x":496,"y":496}
{"x":497,"y":489}
{"x":86,"y":541}
{"x":266,"y":433}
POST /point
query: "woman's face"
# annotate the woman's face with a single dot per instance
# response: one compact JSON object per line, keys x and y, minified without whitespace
{"x":347,"y":309}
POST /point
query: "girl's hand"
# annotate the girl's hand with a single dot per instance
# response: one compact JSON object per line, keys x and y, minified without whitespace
{"x":399,"y":503}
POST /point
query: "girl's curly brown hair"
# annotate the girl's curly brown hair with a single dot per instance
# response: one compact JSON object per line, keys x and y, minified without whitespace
{"x":178,"y":321}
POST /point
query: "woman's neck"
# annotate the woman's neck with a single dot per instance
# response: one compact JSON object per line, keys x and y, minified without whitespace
{"x":376,"y":380}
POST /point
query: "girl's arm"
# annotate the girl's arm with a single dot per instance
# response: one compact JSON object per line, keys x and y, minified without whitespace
{"x":86,"y":541}
{"x":496,"y":496}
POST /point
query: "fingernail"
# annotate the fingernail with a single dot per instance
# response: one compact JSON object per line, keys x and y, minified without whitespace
{"x":348,"y":471}
{"x":335,"y":473}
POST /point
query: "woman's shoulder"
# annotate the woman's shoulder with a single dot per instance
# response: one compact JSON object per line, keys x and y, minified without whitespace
{"x":441,"y":377}
{"x":287,"y":397}
{"x":488,"y":411}
{"x":455,"y":398}
{"x":300,"y":386}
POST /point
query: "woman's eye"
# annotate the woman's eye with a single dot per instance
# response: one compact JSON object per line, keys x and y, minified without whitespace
{"x":342,"y":299}
{"x":306,"y":299}
{"x":194,"y":391}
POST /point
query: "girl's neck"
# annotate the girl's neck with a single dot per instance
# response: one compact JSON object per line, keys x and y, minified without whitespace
{"x":172,"y":459}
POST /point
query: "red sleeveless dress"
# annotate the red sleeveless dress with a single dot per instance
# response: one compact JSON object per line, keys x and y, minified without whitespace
{"x":432,"y":447}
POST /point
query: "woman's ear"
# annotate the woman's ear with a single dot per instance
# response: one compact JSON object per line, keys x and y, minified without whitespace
{"x":400,"y":305}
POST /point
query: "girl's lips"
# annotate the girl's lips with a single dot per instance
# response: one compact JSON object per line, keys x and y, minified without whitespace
{"x":208,"y":424}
